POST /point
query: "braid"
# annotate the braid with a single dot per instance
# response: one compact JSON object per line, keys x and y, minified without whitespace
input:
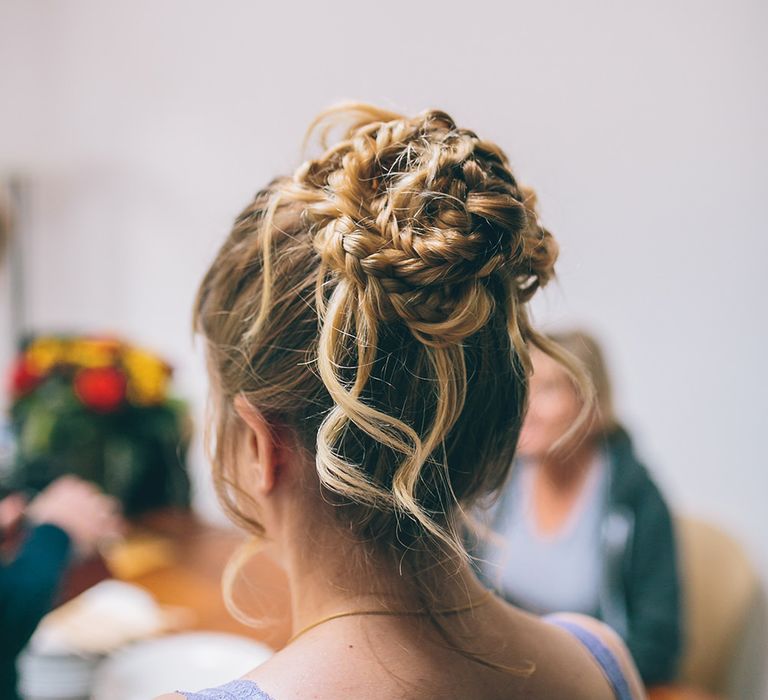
{"x":417,"y":215}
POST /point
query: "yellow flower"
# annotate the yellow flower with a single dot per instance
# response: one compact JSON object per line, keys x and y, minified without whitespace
{"x":44,"y":353}
{"x":92,"y":353}
{"x":147,"y":377}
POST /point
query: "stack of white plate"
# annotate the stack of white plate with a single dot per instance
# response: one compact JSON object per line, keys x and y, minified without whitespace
{"x":189,"y":661}
{"x":56,"y":676}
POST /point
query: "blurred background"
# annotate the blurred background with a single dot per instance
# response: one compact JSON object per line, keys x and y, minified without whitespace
{"x":133,"y":133}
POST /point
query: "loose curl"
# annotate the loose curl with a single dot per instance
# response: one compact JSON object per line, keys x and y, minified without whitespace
{"x":375,"y":303}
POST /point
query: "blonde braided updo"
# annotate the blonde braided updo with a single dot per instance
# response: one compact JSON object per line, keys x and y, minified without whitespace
{"x":374,"y":303}
{"x":416,"y":214}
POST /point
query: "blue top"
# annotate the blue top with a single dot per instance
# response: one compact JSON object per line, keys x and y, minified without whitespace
{"x":543,"y":572}
{"x":248,"y":690}
{"x":234,"y":690}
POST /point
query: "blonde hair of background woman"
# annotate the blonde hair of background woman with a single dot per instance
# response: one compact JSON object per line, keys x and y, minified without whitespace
{"x":374,"y":303}
{"x":586,"y":351}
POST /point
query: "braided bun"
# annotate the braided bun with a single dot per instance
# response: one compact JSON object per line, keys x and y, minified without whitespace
{"x":417,"y":214}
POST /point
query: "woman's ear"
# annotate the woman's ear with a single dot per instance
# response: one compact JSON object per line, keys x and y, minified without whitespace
{"x":261,"y":450}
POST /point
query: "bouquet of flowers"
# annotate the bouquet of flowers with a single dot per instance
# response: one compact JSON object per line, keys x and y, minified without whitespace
{"x":98,"y":408}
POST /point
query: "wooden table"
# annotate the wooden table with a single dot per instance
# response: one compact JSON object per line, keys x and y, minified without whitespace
{"x":191,"y":579}
{"x":679,"y":693}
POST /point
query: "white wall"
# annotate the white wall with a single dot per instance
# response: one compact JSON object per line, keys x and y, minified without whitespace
{"x":145,"y":126}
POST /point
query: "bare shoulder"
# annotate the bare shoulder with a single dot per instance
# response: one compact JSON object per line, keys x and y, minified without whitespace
{"x":326,"y":665}
{"x":609,"y":639}
{"x":171,"y":696}
{"x":560,"y":666}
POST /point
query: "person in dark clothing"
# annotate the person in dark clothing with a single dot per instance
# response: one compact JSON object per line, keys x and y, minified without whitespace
{"x":65,"y":520}
{"x":641,"y":595}
{"x":587,"y":520}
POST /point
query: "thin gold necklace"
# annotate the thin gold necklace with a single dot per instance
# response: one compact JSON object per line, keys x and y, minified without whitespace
{"x":444,"y":611}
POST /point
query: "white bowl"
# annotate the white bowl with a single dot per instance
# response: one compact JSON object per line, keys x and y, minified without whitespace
{"x":56,"y":676}
{"x":189,"y":661}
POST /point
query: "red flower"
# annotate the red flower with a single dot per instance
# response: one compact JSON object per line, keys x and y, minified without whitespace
{"x":24,"y":378}
{"x":100,"y":388}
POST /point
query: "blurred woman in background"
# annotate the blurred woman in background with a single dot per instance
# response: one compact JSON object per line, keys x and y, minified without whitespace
{"x":581,"y":525}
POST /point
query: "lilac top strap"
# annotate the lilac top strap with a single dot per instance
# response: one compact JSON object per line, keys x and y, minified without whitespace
{"x":234,"y":690}
{"x":601,"y":653}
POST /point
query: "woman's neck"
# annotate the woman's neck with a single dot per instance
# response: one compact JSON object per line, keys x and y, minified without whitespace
{"x":567,"y":468}
{"x":337,"y":575}
{"x":559,"y":481}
